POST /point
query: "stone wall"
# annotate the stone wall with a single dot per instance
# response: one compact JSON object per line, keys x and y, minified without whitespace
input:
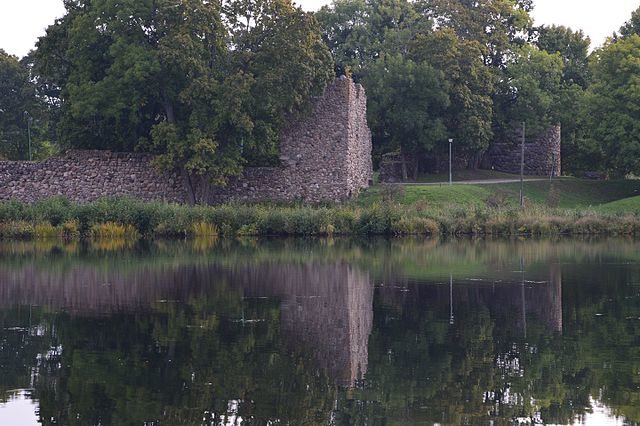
{"x":83,"y":176}
{"x":325,"y":156}
{"x":541,"y":156}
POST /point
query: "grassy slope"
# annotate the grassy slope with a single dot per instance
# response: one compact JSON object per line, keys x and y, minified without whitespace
{"x":572,"y":193}
{"x":625,"y":205}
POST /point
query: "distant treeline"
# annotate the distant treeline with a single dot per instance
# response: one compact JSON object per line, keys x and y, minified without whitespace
{"x":208,"y":85}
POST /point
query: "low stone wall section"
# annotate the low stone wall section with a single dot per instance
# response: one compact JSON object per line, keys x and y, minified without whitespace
{"x":83,"y":176}
{"x":542,"y":156}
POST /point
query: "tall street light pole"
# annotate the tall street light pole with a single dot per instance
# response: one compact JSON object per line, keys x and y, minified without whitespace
{"x":522,"y":166}
{"x":450,"y":174}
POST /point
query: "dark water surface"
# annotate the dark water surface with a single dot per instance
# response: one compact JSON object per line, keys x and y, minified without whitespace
{"x":341,"y":332}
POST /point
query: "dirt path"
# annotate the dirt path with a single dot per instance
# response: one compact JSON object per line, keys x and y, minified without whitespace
{"x":472,"y":182}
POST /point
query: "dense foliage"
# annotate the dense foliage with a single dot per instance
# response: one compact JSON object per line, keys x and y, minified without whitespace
{"x":204,"y":85}
{"x":496,"y":70}
{"x":209,"y":85}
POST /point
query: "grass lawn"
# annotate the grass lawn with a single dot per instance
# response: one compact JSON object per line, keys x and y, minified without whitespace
{"x":459,"y":175}
{"x":631,"y":204}
{"x":568,"y":192}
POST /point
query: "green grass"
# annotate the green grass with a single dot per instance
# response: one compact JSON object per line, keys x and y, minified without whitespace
{"x":627,"y":205}
{"x":569,"y":193}
{"x":459,"y":175}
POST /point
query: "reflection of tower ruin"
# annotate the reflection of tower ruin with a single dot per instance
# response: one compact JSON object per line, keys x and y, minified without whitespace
{"x":334,"y":317}
{"x":326,"y":309}
{"x":546,"y":301}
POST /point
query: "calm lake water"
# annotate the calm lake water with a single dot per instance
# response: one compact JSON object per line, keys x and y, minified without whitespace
{"x":339,"y":332}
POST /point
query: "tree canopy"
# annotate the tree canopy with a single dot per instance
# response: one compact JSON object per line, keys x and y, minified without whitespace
{"x":204,"y":85}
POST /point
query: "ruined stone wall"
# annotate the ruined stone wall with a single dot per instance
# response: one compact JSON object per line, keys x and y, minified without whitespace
{"x":325,"y":155}
{"x":83,"y":176}
{"x":541,"y":156}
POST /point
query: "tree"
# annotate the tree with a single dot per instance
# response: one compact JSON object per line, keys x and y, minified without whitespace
{"x":359,"y":31}
{"x":470,"y":82}
{"x":20,"y":112}
{"x":182,"y":79}
{"x":573,"y":47}
{"x":612,"y":105}
{"x":407,"y":102}
{"x":632,"y":26}
{"x":529,"y":91}
{"x":500,"y":26}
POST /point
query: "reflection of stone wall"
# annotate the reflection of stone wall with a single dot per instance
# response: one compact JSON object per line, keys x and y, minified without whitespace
{"x":542,"y":155}
{"x":328,"y":309}
{"x":511,"y":302}
{"x":326,"y":155}
{"x":325,"y":309}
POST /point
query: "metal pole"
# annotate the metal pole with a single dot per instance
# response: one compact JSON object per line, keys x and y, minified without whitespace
{"x":450,"y":173}
{"x":522,"y":166}
{"x":523,"y":298}
{"x":451,"y":319}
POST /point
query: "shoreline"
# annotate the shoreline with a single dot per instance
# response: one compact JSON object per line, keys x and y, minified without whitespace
{"x":132,"y":219}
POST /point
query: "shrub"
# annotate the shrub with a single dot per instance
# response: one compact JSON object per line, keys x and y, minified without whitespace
{"x":111,"y":230}
{"x":45,"y":230}
{"x":204,"y":229}
{"x":70,"y":230}
{"x":17,"y":229}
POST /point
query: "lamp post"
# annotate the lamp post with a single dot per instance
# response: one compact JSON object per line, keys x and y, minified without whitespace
{"x":522,"y":166}
{"x":450,"y":175}
{"x":29,"y":119}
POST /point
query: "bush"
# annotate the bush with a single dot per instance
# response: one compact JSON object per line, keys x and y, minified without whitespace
{"x":113,"y":230}
{"x":17,"y":229}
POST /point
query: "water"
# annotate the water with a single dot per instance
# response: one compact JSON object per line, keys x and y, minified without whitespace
{"x":341,"y":332}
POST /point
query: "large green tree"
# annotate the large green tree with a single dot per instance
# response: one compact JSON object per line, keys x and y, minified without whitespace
{"x":182,"y":79}
{"x":528,"y":92}
{"x":573,"y":48}
{"x":21,"y":111}
{"x":407,"y":101}
{"x":613,"y":104}
{"x":470,"y":86}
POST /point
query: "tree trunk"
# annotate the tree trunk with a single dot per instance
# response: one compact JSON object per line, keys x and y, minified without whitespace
{"x":403,"y":159}
{"x":168,"y":109}
{"x":190,"y":187}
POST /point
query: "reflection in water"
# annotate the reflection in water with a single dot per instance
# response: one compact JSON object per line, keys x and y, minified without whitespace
{"x":316,"y":332}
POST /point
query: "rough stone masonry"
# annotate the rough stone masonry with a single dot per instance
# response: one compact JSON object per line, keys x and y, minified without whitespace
{"x":325,"y":156}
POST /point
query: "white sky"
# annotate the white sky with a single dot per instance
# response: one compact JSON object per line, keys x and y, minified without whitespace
{"x":23,"y":21}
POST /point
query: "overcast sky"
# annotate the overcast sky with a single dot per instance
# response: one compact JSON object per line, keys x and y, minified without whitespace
{"x":23,"y":21}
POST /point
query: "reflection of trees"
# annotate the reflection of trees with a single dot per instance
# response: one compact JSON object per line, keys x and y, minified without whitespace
{"x":152,"y":359}
{"x":176,"y":362}
{"x":172,"y":343}
{"x":484,"y":367}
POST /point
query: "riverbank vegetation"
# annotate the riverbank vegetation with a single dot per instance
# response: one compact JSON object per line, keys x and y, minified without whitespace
{"x":564,"y":207}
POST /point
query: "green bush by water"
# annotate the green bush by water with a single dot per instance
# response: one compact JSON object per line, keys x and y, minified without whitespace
{"x":126,"y":218}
